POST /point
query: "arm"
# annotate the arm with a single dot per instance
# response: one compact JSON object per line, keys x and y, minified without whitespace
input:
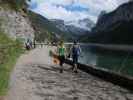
{"x":57,"y":50}
{"x":65,"y":52}
{"x":80,"y":50}
{"x":70,"y":51}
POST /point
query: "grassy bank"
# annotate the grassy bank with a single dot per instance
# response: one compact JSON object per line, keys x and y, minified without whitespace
{"x":10,"y":50}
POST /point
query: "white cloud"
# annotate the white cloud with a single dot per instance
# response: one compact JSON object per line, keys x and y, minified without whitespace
{"x":53,"y":12}
{"x":99,"y":5}
{"x":49,"y":9}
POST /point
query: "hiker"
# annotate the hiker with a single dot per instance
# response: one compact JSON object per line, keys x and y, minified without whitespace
{"x":61,"y":53}
{"x":75,"y":51}
{"x":28,"y":44}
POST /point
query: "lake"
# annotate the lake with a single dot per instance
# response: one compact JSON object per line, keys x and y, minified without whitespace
{"x":117,"y":61}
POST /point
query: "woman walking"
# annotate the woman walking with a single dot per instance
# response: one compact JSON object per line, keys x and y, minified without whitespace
{"x":75,"y":51}
{"x":61,"y":53}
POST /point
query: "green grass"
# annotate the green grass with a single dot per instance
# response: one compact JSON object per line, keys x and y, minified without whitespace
{"x":8,"y":57}
{"x":14,"y":4}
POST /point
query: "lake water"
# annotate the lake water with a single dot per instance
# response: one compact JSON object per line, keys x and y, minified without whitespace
{"x":117,"y":61}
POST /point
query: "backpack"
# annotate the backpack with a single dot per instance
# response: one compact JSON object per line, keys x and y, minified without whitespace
{"x":28,"y":44}
{"x":76,"y":50}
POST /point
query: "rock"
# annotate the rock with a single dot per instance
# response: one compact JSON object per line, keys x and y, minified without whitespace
{"x":122,"y":13}
{"x":15,"y":25}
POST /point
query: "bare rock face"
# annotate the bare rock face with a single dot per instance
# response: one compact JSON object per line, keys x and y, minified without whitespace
{"x":15,"y":24}
{"x":122,"y":13}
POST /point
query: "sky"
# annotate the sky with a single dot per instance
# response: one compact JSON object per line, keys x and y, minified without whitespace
{"x":73,"y":10}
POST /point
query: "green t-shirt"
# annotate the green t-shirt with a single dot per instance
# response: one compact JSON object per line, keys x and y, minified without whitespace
{"x":61,"y":51}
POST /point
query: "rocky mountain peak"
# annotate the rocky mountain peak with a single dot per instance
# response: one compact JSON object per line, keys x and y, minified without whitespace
{"x":71,"y":28}
{"x":122,"y":13}
{"x":85,"y":24}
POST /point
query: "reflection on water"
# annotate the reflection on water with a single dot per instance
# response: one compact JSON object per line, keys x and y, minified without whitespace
{"x":87,"y":57}
{"x":118,"y":61}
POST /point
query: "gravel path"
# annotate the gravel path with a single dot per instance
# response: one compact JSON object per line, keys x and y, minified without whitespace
{"x":36,"y":78}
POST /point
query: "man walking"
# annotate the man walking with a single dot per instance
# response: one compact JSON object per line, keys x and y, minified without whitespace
{"x":75,"y":51}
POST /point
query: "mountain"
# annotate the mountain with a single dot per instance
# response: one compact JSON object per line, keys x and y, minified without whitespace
{"x":14,"y":21}
{"x":84,"y":24}
{"x":69,"y":28}
{"x":120,"y":33}
{"x":114,"y":27}
{"x":45,"y":29}
{"x":122,"y":13}
{"x":53,"y":29}
{"x":87,"y":24}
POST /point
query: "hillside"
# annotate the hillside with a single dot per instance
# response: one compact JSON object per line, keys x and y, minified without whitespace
{"x":121,"y":33}
{"x":72,"y":30}
{"x":45,"y":30}
{"x":122,"y":13}
{"x":49,"y":30}
{"x":10,"y":50}
{"x":114,"y":27}
{"x":15,"y":23}
{"x":15,"y":28}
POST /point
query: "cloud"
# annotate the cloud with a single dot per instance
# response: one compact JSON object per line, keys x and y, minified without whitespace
{"x":75,"y":7}
{"x":70,"y":10}
{"x":59,"y":12}
{"x":33,"y":5}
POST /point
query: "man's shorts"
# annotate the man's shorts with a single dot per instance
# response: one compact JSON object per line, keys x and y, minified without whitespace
{"x":75,"y":59}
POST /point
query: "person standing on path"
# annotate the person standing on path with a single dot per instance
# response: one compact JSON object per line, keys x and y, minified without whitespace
{"x":75,"y":51}
{"x":28,"y":44}
{"x":61,"y":53}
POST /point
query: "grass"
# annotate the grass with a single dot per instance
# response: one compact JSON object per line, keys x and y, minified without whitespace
{"x":14,"y":4}
{"x":10,"y":50}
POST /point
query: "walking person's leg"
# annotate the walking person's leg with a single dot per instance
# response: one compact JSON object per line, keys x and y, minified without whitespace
{"x":76,"y":68}
{"x":61,"y":67}
{"x":75,"y":64}
{"x":62,"y":58}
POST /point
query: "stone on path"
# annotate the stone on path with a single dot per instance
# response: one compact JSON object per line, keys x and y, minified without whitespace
{"x":35,"y":77}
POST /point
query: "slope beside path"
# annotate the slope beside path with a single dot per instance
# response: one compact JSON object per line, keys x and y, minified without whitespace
{"x":35,"y":77}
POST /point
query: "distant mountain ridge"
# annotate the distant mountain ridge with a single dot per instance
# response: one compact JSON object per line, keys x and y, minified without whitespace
{"x":122,"y":13}
{"x":69,"y":28}
{"x":114,"y":27}
{"x":45,"y":30}
{"x":53,"y":29}
{"x":85,"y":24}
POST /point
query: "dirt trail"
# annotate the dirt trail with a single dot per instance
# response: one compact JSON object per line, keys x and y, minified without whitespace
{"x":36,"y":78}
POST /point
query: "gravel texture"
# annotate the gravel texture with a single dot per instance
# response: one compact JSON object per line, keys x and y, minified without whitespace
{"x":35,"y":77}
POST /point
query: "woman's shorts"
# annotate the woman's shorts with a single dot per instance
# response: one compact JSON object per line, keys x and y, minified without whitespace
{"x":62,"y":60}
